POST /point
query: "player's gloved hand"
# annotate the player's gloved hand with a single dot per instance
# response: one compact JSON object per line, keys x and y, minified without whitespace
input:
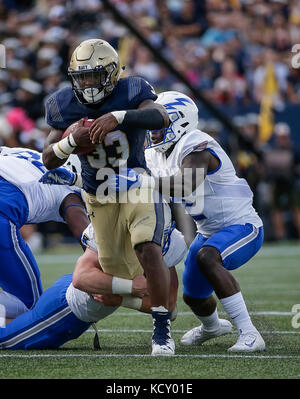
{"x":125,"y":180}
{"x":129,"y":178}
{"x":88,"y":238}
{"x":59,"y":176}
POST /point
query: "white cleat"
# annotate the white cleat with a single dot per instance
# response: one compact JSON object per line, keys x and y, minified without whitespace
{"x":249,"y":342}
{"x":163,"y":350}
{"x":197,"y":335}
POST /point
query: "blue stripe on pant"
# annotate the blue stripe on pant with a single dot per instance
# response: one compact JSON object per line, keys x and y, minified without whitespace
{"x":19,"y":272}
{"x":48,"y":325}
{"x":237,"y":244}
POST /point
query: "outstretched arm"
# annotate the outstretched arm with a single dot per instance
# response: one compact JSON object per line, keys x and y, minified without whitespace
{"x":149,"y":115}
{"x":89,"y":277}
{"x":191,"y":175}
{"x":142,"y":304}
{"x":72,"y":210}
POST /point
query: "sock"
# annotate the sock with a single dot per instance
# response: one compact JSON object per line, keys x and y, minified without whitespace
{"x":161,"y":323}
{"x":13,"y":306}
{"x":236,"y":309}
{"x":211,"y":322}
{"x":159,"y":309}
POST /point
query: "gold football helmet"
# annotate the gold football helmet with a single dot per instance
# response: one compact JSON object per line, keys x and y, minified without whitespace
{"x":95,"y":70}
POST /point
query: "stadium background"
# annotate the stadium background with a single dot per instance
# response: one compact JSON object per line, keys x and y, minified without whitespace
{"x":235,"y":54}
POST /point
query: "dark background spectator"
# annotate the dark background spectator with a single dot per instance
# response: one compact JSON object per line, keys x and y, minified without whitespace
{"x":224,"y":49}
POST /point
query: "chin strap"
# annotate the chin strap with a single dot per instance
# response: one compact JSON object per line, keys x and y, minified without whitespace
{"x":96,"y":341}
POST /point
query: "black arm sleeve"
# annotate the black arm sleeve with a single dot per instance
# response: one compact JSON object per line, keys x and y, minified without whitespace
{"x":148,"y":118}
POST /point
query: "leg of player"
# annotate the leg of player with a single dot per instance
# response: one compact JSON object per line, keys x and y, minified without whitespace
{"x":12,"y":305}
{"x":158,"y":282}
{"x":205,"y":309}
{"x":61,"y":314}
{"x":19,"y":272}
{"x":209,"y":264}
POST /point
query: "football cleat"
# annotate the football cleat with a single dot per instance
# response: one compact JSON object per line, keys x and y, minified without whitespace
{"x":163,"y":350}
{"x":251,"y":341}
{"x":197,"y":335}
{"x":162,"y":343}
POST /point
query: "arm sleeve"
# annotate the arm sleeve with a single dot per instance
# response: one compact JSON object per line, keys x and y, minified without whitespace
{"x":139,"y":90}
{"x":54,"y":117}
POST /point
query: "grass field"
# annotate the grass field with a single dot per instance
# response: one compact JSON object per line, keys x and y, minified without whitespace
{"x":271,"y":286}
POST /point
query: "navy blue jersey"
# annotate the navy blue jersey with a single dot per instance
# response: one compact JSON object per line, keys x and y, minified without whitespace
{"x":123,"y":146}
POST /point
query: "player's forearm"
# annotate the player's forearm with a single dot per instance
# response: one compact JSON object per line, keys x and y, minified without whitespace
{"x":74,"y":213}
{"x":145,"y":118}
{"x":50,"y":160}
{"x":88,"y":277}
{"x":56,"y":150}
{"x":181,"y":185}
{"x":93,"y":282}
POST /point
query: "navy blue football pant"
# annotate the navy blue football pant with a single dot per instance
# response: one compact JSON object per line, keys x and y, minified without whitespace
{"x":237,"y":244}
{"x":19,"y":272}
{"x":48,"y":325}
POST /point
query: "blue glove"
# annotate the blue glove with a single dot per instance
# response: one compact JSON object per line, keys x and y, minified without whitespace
{"x":59,"y":176}
{"x":124,"y":181}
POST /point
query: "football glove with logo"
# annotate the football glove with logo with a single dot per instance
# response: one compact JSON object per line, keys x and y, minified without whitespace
{"x":59,"y":176}
{"x":129,"y":178}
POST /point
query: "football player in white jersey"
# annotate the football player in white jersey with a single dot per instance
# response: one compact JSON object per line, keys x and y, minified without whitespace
{"x":23,"y":200}
{"x":63,"y":312}
{"x":229,"y":231}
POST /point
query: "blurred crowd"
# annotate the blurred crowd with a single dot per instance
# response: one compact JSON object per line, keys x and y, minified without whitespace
{"x":223,"y":47}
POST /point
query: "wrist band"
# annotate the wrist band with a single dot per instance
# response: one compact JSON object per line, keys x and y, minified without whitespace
{"x":121,"y":286}
{"x":132,"y":302}
{"x":119,"y":115}
{"x":64,"y":147}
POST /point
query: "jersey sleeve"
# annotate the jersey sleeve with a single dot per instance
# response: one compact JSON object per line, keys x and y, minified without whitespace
{"x":55,"y":107}
{"x":139,"y":90}
{"x":195,"y":142}
{"x":148,"y":158}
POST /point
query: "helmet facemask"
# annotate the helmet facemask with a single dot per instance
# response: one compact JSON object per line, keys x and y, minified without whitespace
{"x":92,"y":85}
{"x":168,"y":135}
{"x":183,"y":114}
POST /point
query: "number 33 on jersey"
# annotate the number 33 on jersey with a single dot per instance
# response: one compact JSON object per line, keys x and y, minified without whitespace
{"x":124,"y":146}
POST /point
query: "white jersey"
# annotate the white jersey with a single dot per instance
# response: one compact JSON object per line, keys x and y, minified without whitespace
{"x":23,"y":168}
{"x":225,"y":198}
{"x":85,"y":307}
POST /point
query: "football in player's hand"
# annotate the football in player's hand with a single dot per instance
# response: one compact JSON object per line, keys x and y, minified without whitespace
{"x":81,"y":148}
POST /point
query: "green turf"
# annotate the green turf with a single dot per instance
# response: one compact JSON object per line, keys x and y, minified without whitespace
{"x":270,"y":284}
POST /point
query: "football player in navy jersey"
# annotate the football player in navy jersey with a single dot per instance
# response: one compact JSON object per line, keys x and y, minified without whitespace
{"x":128,"y":235}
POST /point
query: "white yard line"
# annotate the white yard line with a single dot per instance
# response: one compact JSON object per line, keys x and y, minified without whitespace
{"x":215,"y":356}
{"x":126,"y":331}
{"x":268,"y":251}
{"x":262,"y":313}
